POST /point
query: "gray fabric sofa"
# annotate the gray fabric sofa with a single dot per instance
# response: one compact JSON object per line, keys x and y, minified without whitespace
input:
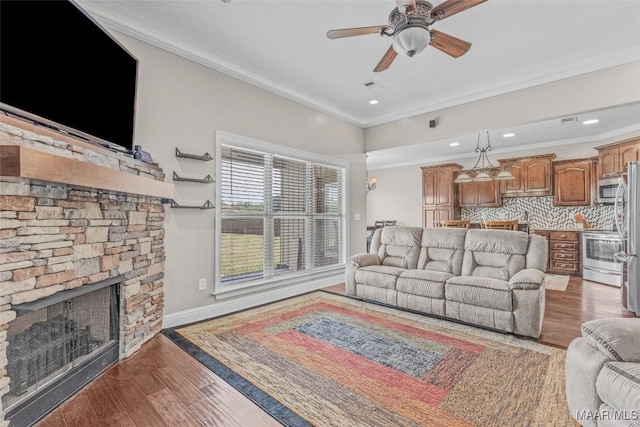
{"x":602,"y":373}
{"x":491,"y":278}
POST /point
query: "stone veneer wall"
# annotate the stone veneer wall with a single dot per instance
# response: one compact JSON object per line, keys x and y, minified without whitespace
{"x":55,"y":237}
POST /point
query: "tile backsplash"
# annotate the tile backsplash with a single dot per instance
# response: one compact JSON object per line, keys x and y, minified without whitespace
{"x":542,"y":214}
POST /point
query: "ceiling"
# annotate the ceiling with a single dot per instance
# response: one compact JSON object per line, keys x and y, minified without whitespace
{"x":281,"y":46}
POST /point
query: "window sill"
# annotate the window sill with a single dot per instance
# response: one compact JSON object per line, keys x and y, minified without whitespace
{"x":222,"y":292}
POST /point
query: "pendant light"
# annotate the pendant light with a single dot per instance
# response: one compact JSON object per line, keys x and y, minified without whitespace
{"x":482,"y":167}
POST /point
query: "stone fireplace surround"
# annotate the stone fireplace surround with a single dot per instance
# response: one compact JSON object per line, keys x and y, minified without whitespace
{"x":58,"y":234}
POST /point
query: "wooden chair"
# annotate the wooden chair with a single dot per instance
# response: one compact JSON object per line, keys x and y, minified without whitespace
{"x":457,"y":223}
{"x":500,"y":225}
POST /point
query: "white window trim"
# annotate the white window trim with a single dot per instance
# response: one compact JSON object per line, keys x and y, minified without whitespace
{"x":225,"y":138}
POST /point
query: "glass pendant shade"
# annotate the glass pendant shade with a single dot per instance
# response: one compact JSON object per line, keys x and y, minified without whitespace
{"x":411,"y":40}
{"x":504,"y":175}
{"x":463,"y":177}
{"x":482,"y":176}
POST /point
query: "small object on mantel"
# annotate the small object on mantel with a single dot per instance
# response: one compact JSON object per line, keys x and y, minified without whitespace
{"x":580,"y":221}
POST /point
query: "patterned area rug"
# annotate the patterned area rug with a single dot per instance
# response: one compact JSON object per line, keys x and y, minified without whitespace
{"x":324,"y":360}
{"x":556,"y":282}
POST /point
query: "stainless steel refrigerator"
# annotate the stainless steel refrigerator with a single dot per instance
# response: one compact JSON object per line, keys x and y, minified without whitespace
{"x":627,"y":209}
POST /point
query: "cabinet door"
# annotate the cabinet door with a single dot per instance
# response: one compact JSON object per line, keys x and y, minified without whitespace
{"x":489,"y":194}
{"x":468,"y":194}
{"x":628,"y":153}
{"x":444,"y":187}
{"x":429,"y":217}
{"x":538,"y":176}
{"x":445,"y":214}
{"x":479,"y":194}
{"x":608,"y":159}
{"x":572,"y":183}
{"x":429,"y":187}
{"x":516,"y":185}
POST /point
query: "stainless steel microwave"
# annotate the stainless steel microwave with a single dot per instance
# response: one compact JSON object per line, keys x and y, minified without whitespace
{"x":607,"y":188}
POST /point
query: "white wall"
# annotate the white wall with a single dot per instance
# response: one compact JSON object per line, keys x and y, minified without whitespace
{"x":182,"y":104}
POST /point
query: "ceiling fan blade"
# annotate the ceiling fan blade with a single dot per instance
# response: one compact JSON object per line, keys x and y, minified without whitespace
{"x":350,"y":32}
{"x":450,"y":45}
{"x":451,"y":7}
{"x":406,"y":6}
{"x":386,"y":60}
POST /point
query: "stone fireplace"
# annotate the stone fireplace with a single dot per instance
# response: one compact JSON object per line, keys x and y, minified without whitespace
{"x":79,"y":226}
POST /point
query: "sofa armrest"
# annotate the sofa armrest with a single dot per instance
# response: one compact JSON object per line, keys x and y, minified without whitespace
{"x":529,"y":278}
{"x":354,"y":263}
{"x":618,"y":339}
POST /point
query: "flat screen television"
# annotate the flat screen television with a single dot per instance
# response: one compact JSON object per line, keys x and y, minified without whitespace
{"x":61,"y":69}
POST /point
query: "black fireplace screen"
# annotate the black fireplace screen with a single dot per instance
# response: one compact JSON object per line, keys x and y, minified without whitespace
{"x":46,"y":343}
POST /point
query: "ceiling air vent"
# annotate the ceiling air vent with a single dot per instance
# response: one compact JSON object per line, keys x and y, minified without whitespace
{"x":568,"y":120}
{"x":373,"y":85}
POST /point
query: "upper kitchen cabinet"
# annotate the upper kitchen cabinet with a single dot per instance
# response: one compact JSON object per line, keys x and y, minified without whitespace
{"x":573,"y":182}
{"x":484,"y":194}
{"x":533,"y":176}
{"x":613,"y":158}
{"x":439,"y":197}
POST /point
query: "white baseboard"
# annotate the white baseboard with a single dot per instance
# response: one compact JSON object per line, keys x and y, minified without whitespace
{"x":236,"y":304}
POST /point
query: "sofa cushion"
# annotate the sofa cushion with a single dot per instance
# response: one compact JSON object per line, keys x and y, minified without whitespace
{"x":380,"y":276}
{"x":426,"y":283}
{"x":400,"y":246}
{"x":498,"y":254}
{"x":618,"y":384}
{"x":480,"y":291}
{"x":619,"y":339}
{"x":442,"y":249}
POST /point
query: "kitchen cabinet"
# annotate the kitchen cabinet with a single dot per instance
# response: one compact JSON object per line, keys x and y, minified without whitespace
{"x":439,"y":196}
{"x":533,"y":176}
{"x":564,"y":253}
{"x":573,"y":182}
{"x":613,"y":158}
{"x":479,"y":194}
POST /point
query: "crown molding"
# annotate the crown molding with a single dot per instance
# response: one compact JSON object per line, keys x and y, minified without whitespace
{"x":154,"y":35}
{"x":610,"y":60}
{"x":215,"y":60}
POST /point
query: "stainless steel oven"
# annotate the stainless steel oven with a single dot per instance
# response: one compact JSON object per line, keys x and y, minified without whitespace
{"x":599,"y":263}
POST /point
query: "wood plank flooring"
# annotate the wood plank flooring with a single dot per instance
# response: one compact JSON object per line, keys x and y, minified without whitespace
{"x":161,"y":385}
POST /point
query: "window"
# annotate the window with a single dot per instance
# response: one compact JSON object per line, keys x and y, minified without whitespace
{"x":281,"y":212}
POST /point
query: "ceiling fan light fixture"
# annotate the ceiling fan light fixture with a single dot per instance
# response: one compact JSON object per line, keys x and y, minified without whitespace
{"x":411,"y":40}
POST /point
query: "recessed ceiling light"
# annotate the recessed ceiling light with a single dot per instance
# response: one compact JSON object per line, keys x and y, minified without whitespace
{"x":373,"y":102}
{"x":454,"y":144}
{"x":508,"y":135}
{"x":590,"y":122}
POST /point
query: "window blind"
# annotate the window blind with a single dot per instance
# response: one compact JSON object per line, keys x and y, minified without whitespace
{"x":280,"y":216}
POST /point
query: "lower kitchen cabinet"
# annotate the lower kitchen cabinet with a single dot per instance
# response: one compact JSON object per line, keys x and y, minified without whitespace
{"x":564,"y":253}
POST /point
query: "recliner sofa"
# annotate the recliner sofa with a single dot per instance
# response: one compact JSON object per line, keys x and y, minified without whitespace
{"x":490,"y":278}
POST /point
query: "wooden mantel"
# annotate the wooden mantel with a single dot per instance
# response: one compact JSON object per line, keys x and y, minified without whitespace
{"x":23,"y":162}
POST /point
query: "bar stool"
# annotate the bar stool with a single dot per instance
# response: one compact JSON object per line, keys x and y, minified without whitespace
{"x":500,"y":225}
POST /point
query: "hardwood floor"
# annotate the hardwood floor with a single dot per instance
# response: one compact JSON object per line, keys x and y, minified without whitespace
{"x":161,"y":385}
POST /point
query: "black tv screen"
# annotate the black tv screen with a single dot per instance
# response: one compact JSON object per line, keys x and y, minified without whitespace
{"x":59,"y":67}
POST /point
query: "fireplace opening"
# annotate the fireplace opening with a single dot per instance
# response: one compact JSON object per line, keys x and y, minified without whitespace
{"x":58,"y":344}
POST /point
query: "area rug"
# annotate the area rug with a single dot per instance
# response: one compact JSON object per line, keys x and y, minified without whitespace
{"x":322,"y":359}
{"x":556,"y":282}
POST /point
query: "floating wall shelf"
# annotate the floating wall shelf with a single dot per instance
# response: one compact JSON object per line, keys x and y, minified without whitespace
{"x":206,"y":180}
{"x":207,"y":205}
{"x":205,"y":157}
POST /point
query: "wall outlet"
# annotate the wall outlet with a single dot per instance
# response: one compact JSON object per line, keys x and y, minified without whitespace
{"x":202,"y":284}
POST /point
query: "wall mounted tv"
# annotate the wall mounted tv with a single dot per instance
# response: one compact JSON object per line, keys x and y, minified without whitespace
{"x":61,"y":69}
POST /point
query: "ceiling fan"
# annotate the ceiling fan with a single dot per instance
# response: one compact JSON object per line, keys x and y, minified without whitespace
{"x":409,"y":26}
